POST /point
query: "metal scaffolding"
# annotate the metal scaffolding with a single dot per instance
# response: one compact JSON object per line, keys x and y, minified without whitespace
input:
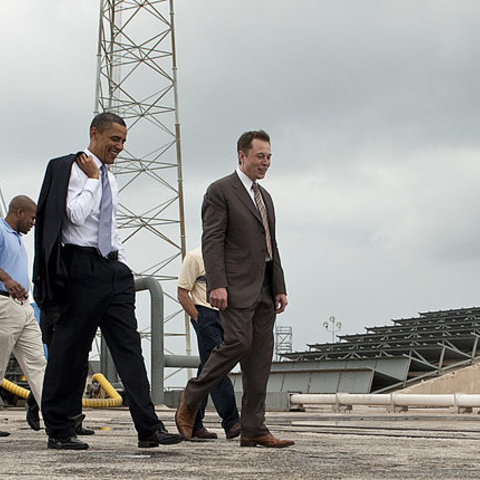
{"x":283,"y":342}
{"x":3,"y":205}
{"x":410,"y":350}
{"x":136,"y":79}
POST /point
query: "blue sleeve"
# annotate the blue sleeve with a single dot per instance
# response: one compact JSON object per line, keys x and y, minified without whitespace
{"x":2,"y":240}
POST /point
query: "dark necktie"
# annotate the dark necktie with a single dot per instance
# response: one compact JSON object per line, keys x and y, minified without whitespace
{"x":263,"y":215}
{"x":105,"y":223}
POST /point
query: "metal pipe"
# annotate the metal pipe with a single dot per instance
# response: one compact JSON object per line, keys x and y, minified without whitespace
{"x":184,"y":361}
{"x":157,"y":343}
{"x":363,"y":399}
{"x":96,"y":110}
{"x":158,"y":359}
{"x":178,"y":145}
{"x":400,"y":399}
{"x":3,"y":205}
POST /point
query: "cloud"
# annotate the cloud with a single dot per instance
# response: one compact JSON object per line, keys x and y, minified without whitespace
{"x":373,"y":112}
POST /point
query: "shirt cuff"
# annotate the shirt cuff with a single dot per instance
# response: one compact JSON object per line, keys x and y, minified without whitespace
{"x":92,"y":184}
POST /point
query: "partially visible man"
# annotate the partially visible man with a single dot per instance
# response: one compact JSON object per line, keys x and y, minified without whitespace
{"x":192,"y":295}
{"x":19,"y":330}
{"x":245,"y":282}
{"x":83,"y":282}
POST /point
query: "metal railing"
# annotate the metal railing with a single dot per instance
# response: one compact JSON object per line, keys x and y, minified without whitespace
{"x":159,"y":361}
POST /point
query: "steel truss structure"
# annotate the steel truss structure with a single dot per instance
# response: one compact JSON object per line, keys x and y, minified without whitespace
{"x":427,"y":346}
{"x":137,"y":80}
{"x":3,"y":205}
{"x":283,"y":341}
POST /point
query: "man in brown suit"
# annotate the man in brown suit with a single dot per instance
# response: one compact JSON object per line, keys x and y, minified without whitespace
{"x":245,"y":282}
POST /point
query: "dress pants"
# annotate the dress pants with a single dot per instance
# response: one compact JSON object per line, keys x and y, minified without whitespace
{"x":209,"y":335}
{"x":47,"y":324}
{"x":20,"y":335}
{"x":102,"y":294}
{"x":248,"y":340}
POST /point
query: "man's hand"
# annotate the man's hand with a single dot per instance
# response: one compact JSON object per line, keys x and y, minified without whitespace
{"x":88,"y":166}
{"x":15,"y":289}
{"x":280,"y":302}
{"x":218,"y":298}
{"x":183,"y":296}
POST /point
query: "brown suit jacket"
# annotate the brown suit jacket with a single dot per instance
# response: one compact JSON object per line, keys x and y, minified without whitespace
{"x":233,"y":242}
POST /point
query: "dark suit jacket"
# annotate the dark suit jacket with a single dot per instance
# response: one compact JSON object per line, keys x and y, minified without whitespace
{"x":233,"y":242}
{"x":49,"y":274}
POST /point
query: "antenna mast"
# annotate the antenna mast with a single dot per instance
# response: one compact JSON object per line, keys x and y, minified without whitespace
{"x":137,"y":79}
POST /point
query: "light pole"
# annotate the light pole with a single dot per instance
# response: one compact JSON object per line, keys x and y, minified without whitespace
{"x":332,"y":326}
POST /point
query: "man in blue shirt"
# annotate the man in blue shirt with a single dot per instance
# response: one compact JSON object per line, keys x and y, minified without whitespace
{"x":19,"y":331}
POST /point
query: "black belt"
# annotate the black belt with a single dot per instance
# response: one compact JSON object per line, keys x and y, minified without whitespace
{"x":3,"y":293}
{"x":113,"y":255}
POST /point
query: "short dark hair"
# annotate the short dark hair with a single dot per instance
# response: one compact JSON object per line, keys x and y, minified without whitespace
{"x":104,"y":120}
{"x":244,"y":143}
{"x":20,"y":202}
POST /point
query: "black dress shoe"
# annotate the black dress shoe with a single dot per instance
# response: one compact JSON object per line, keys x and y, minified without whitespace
{"x":4,"y":434}
{"x":32,"y":416}
{"x":160,"y":437}
{"x":80,"y":430}
{"x":78,"y":425}
{"x":69,"y":443}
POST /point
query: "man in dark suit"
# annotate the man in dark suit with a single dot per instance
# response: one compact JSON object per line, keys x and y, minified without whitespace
{"x":82,"y":281}
{"x":245,"y":282}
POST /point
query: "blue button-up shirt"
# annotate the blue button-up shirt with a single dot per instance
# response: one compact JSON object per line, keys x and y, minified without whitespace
{"x":13,"y":256}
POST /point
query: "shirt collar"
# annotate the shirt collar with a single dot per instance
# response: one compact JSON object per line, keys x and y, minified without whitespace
{"x":10,"y":229}
{"x":247,"y":182}
{"x":95,"y":158}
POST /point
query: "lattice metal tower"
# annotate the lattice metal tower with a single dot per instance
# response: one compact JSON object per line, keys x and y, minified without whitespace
{"x":283,"y":342}
{"x":137,"y":80}
{"x":3,"y":205}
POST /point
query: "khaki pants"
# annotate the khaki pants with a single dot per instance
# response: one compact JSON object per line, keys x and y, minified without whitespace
{"x":20,"y":335}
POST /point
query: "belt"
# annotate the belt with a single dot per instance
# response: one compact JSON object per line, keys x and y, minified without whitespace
{"x":3,"y":293}
{"x":113,"y":255}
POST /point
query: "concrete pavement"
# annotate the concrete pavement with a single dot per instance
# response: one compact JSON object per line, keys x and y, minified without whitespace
{"x":364,"y":444}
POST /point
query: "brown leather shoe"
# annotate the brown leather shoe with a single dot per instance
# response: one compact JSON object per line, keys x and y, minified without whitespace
{"x":235,"y":431}
{"x":204,"y":434}
{"x":185,"y":418}
{"x":268,"y":441}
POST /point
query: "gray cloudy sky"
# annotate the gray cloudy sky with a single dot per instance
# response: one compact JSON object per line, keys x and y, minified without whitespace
{"x":373,"y":109}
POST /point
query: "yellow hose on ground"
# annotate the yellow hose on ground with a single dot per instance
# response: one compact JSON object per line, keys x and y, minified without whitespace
{"x":115,"y":399}
{"x":14,"y":388}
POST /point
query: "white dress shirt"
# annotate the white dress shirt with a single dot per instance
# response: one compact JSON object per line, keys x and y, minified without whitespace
{"x":80,"y":226}
{"x":247,"y":183}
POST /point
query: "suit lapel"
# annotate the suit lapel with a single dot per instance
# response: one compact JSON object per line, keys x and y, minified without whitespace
{"x":243,"y":195}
